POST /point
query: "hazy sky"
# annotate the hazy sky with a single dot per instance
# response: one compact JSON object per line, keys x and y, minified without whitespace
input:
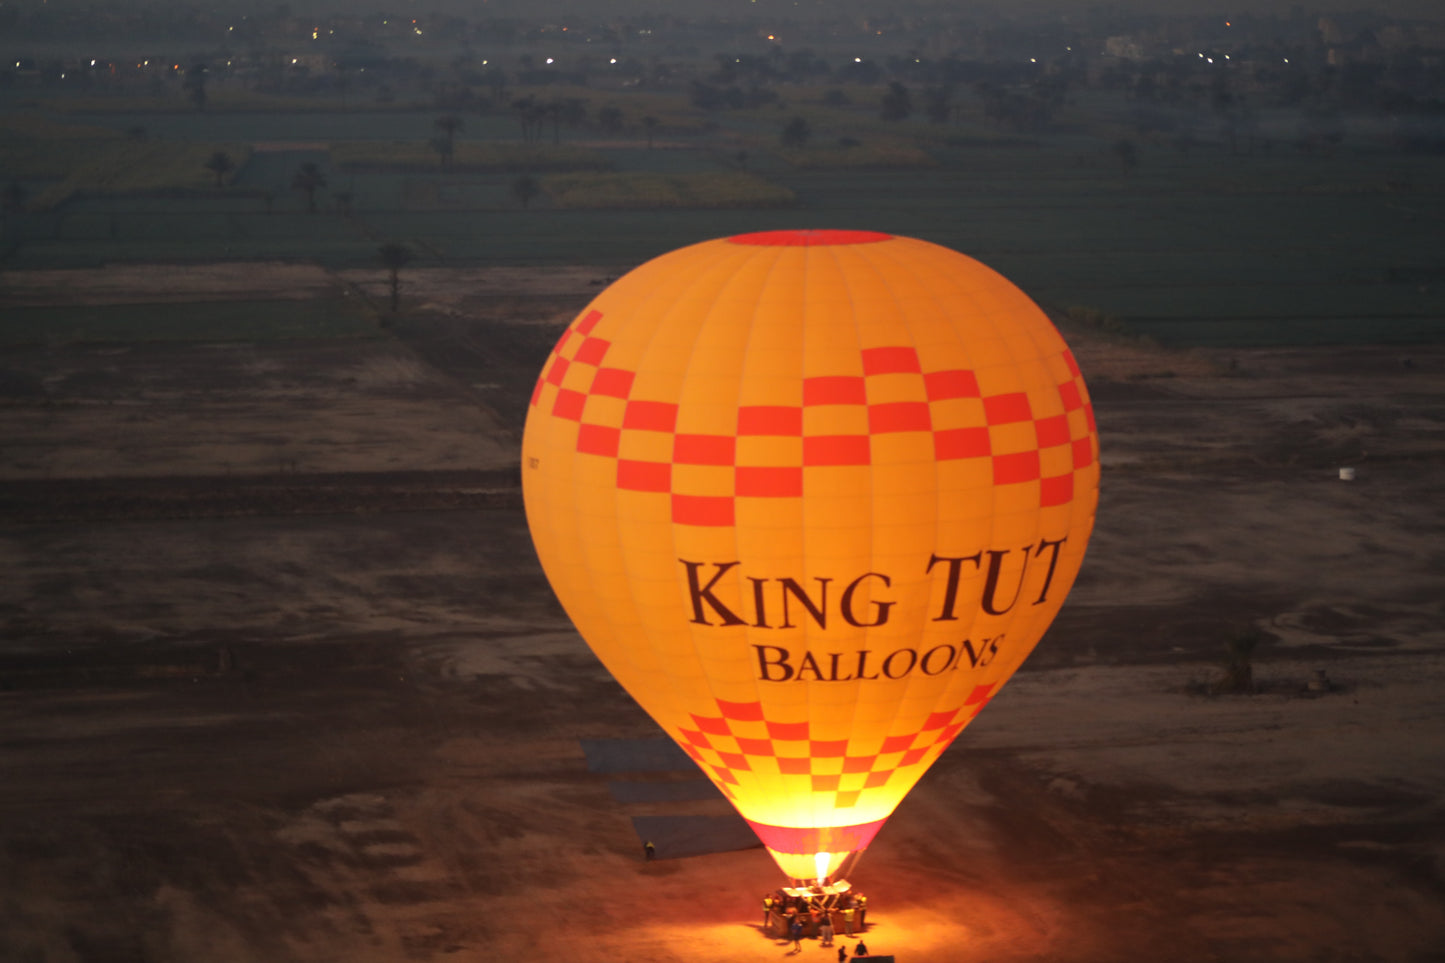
{"x":1428,"y":9}
{"x":802,"y":9}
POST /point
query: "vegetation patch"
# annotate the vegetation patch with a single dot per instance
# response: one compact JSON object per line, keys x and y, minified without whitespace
{"x":32,"y":146}
{"x":852,"y":156}
{"x":397,"y":155}
{"x":140,"y":167}
{"x":647,"y":190}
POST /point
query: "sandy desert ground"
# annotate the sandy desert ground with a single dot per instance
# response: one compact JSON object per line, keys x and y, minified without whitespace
{"x":280,"y":678}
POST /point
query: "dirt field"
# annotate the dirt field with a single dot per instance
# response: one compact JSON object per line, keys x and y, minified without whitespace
{"x":280,"y":678}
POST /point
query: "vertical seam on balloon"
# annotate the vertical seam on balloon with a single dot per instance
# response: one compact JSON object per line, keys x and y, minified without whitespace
{"x":744,"y":255}
{"x":958,"y":686}
{"x":658,"y":656}
{"x":806,"y":253}
{"x":913,"y":681}
{"x":742,"y":379}
{"x":834,"y":253}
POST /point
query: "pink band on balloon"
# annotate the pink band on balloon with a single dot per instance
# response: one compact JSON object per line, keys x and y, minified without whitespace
{"x":818,"y":238}
{"x":821,"y":839}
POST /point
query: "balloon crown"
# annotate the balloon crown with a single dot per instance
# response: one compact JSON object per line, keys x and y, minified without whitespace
{"x":808,"y":238}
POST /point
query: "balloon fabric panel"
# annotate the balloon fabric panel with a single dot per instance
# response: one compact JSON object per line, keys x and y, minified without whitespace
{"x":811,"y":497}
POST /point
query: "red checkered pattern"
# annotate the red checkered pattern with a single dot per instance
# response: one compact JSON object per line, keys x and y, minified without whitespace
{"x":576,"y":373}
{"x":740,"y":739}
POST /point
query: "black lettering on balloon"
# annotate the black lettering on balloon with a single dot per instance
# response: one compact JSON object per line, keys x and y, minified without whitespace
{"x":995,"y":568}
{"x":950,"y":591}
{"x":888,"y":663}
{"x":951,"y":653}
{"x":809,"y":664}
{"x":778,"y":661}
{"x":880,"y":609}
{"x":818,"y":611}
{"x":703,"y":593}
{"x":1055,"y":544}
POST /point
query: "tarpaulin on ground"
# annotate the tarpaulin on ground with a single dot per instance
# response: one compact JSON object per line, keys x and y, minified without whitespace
{"x":636,"y":755}
{"x":651,"y":792}
{"x":678,"y":836}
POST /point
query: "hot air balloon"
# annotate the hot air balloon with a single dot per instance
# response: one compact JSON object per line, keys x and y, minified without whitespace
{"x":811,"y":497}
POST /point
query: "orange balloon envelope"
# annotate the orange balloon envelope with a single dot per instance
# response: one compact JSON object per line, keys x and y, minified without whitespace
{"x":811,"y":497}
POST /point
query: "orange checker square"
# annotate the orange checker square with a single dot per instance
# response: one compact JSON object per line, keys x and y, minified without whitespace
{"x":711,"y":416}
{"x":569,"y":404}
{"x":769,"y":482}
{"x":892,"y":359}
{"x":955,"y":444}
{"x":839,"y":450}
{"x":604,"y":410}
{"x":770,"y":421}
{"x":698,"y":449}
{"x":899,"y":416}
{"x":598,"y":440}
{"x":903,"y":462}
{"x":1007,"y":408}
{"x":1056,"y":490}
{"x":1070,"y":395}
{"x":794,"y":765}
{"x":1011,"y":439}
{"x":691,"y":479}
{"x":1052,"y":431}
{"x":950,"y":383}
{"x":654,"y":446}
{"x":962,"y":412}
{"x":785,"y":732}
{"x":1015,"y":467}
{"x":769,"y":451}
{"x":644,"y":476}
{"x":1056,"y":461}
{"x":612,"y":383}
{"x":592,"y":351}
{"x":834,"y":390}
{"x":642,"y":415}
{"x":714,"y":511}
{"x":887,"y":389}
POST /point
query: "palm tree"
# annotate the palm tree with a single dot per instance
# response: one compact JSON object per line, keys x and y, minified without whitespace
{"x":897,"y":104}
{"x":609,"y":118}
{"x":797,"y":132}
{"x":395,"y":256}
{"x":528,"y":115}
{"x":309,"y":180}
{"x":196,"y":85}
{"x":443,"y":147}
{"x":449,"y":125}
{"x":525,"y":188}
{"x":220,"y":164}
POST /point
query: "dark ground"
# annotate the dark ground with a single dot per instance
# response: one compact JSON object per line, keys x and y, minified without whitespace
{"x":320,"y":704}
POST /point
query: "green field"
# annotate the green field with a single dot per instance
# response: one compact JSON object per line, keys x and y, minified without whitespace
{"x":1197,"y":247}
{"x":216,"y":321}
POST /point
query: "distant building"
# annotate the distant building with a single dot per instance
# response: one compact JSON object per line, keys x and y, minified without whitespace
{"x":1124,"y":47}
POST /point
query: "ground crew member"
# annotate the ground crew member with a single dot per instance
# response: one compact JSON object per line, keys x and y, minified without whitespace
{"x":848,"y":912}
{"x":649,"y":851}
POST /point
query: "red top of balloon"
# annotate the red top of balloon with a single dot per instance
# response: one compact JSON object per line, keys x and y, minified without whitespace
{"x":819,"y":238}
